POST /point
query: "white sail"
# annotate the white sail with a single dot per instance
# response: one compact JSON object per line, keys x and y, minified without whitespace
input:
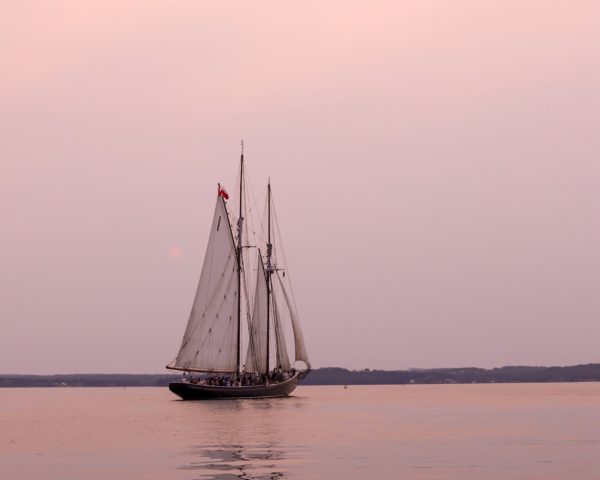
{"x":256,"y":358}
{"x":300,"y":348}
{"x":281,"y":354}
{"x":210,"y":341}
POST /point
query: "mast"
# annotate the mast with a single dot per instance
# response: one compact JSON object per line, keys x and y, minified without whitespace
{"x":269,"y":267}
{"x":239,"y":262}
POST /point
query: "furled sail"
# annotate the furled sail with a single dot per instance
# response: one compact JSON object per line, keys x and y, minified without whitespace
{"x":300,"y":348}
{"x":256,"y":358}
{"x":210,"y":340}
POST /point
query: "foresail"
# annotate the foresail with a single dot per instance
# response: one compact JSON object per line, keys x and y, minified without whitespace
{"x":300,"y":348}
{"x":210,"y":340}
{"x":256,"y":358}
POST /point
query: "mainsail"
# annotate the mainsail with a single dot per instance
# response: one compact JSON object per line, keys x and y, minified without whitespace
{"x":210,"y":342}
{"x":256,"y":358}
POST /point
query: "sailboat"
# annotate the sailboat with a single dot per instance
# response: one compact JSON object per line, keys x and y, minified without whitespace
{"x":212,"y":347}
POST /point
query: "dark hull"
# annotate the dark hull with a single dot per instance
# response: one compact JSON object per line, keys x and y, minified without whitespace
{"x":195,"y":391}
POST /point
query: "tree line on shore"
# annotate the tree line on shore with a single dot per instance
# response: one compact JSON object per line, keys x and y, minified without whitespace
{"x":335,"y":376}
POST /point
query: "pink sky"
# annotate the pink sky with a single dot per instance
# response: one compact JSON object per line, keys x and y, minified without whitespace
{"x":436,"y":166}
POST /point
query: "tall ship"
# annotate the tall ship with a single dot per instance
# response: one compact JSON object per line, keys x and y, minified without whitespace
{"x":244,"y":314}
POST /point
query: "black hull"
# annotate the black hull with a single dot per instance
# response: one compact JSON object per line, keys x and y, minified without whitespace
{"x":196,"y":391}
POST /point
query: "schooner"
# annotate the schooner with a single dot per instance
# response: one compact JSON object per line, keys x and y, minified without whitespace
{"x":216,"y":336}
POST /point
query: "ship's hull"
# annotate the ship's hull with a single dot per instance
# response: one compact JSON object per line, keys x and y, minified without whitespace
{"x":197,"y":391}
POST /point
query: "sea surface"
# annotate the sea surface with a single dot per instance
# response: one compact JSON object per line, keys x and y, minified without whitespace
{"x":483,"y":432}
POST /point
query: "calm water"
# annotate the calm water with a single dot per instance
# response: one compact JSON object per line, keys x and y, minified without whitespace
{"x":521,"y":431}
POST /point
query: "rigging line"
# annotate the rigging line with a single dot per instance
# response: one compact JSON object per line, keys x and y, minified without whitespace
{"x":250,"y":220}
{"x":283,"y":255}
{"x":249,"y":192}
{"x":255,"y":203}
{"x":253,"y":237}
{"x":262,"y":234}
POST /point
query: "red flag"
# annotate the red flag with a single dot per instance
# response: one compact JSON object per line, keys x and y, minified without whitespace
{"x":221,"y":192}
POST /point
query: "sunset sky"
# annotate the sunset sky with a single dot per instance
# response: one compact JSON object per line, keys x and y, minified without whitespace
{"x":436,"y":166}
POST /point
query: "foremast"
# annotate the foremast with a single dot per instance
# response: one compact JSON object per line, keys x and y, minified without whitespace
{"x":238,"y":253}
{"x":269,"y":270}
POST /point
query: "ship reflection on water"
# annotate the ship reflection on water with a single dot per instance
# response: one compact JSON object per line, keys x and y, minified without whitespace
{"x":251,"y":462}
{"x":243,"y":439}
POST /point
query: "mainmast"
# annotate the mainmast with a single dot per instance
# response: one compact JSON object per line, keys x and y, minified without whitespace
{"x":269,"y":267}
{"x":238,"y":252}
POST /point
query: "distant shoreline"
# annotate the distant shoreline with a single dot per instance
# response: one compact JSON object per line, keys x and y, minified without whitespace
{"x":334,"y":376}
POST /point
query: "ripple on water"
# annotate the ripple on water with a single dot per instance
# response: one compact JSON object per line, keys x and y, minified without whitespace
{"x":252,"y":462}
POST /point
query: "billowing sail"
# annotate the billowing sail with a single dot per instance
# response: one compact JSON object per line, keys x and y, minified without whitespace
{"x":256,"y":358}
{"x":210,"y":341}
{"x":281,"y":354}
{"x":301,"y":354}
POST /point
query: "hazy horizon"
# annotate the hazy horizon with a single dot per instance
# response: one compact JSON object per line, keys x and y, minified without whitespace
{"x":435,"y":165}
{"x":450,"y":367}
